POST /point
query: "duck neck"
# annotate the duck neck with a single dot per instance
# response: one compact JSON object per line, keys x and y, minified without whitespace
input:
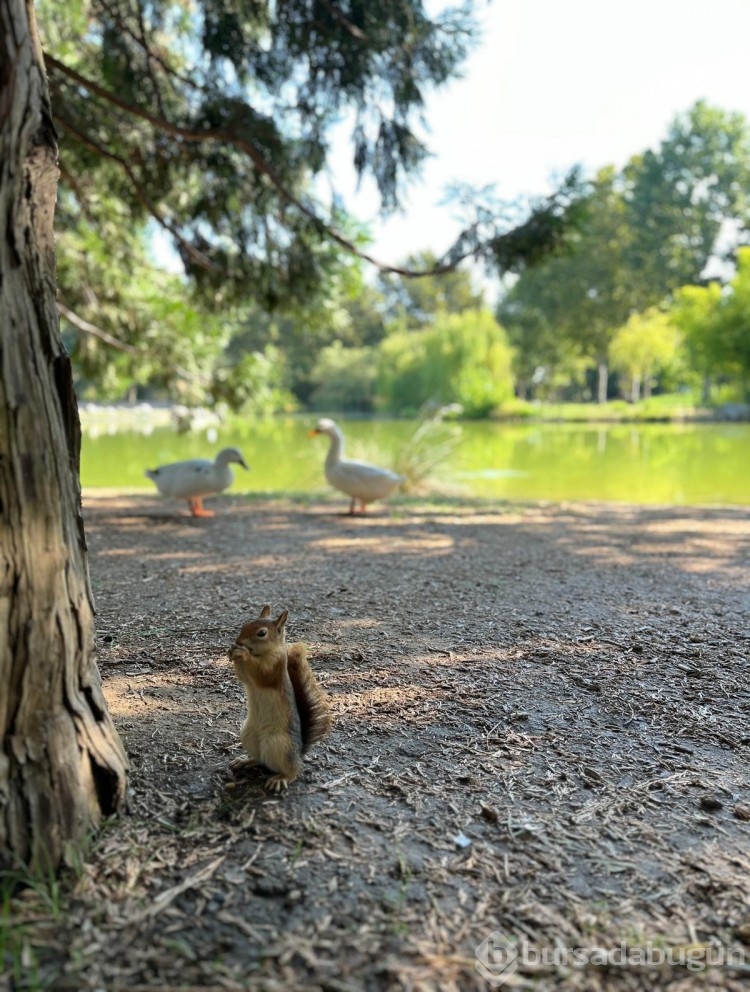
{"x":336,"y":448}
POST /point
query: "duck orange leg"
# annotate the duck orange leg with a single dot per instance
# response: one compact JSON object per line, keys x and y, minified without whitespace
{"x":197,"y":509}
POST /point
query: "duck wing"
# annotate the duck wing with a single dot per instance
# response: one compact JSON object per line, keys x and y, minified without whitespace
{"x":363,"y":481}
{"x":195,"y":477}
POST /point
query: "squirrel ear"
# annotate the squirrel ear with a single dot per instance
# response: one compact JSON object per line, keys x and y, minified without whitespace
{"x":282,"y":619}
{"x":265,"y":611}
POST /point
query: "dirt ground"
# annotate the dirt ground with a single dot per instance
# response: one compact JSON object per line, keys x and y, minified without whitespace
{"x":541,"y":732}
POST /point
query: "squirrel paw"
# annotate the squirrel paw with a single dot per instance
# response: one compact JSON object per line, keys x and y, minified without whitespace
{"x":277,"y":783}
{"x":238,"y":764}
{"x":237,"y":653}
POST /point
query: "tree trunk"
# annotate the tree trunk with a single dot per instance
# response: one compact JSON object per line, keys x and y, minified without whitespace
{"x":601,"y":392}
{"x":62,"y":765}
{"x":635,"y":389}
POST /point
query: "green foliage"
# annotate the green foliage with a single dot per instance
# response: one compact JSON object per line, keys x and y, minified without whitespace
{"x":215,"y":120}
{"x":647,"y":344}
{"x":716,"y":323}
{"x":679,"y":196}
{"x":572,"y":304}
{"x":649,"y":230}
{"x":344,"y":379}
{"x":463,"y":358}
{"x":415,"y":302}
{"x":351,"y":315}
{"x":696,"y":313}
{"x":124,"y":322}
{"x":665,"y":406}
{"x":734,"y":324}
{"x":253,"y":385}
{"x":365,"y":311}
{"x":516,"y":237}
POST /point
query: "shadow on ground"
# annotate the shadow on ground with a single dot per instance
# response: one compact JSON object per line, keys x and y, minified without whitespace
{"x":541,"y":729}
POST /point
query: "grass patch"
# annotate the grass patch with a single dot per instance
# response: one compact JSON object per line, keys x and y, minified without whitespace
{"x":29,"y":903}
{"x":670,"y":406}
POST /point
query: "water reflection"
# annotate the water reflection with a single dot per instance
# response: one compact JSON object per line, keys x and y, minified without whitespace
{"x":651,"y":463}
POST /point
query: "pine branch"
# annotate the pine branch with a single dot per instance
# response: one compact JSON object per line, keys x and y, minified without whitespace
{"x":241,"y":144}
{"x":198,"y":257}
{"x":87,"y":328}
{"x":546,"y":226}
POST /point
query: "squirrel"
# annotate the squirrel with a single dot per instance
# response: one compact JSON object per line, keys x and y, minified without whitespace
{"x":287,"y":711}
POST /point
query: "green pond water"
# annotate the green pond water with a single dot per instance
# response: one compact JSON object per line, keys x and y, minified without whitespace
{"x":651,"y":463}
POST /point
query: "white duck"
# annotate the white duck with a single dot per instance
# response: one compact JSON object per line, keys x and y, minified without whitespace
{"x":359,"y":480}
{"x":197,"y":478}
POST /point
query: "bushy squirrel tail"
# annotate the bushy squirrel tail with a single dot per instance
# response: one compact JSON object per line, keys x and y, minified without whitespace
{"x":312,"y":703}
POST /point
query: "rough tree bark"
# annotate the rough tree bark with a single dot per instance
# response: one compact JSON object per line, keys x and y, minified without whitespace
{"x":62,"y":765}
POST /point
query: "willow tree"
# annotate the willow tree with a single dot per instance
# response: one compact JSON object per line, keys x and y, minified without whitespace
{"x":62,"y":766}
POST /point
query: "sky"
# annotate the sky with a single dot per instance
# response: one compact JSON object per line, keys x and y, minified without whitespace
{"x":559,"y":82}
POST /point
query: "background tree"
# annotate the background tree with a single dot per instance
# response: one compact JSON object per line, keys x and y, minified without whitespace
{"x":349,"y":314}
{"x":656,"y":226}
{"x":462,"y":358}
{"x":687,"y":201}
{"x":715,"y":321}
{"x":256,"y":384}
{"x":546,"y":364}
{"x":734,"y":324}
{"x":585,"y":293}
{"x":345,"y":379}
{"x":344,"y":374}
{"x":127,"y":323}
{"x":416,"y":302}
{"x":696,"y":313}
{"x":647,"y":344}
{"x":62,"y":766}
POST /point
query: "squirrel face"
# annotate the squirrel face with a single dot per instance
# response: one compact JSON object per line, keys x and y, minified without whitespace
{"x":263,"y":636}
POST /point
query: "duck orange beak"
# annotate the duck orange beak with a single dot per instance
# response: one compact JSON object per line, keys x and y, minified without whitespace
{"x":313,"y":432}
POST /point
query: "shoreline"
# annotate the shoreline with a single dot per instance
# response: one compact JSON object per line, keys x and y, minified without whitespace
{"x":145,"y":417}
{"x":421,"y":504}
